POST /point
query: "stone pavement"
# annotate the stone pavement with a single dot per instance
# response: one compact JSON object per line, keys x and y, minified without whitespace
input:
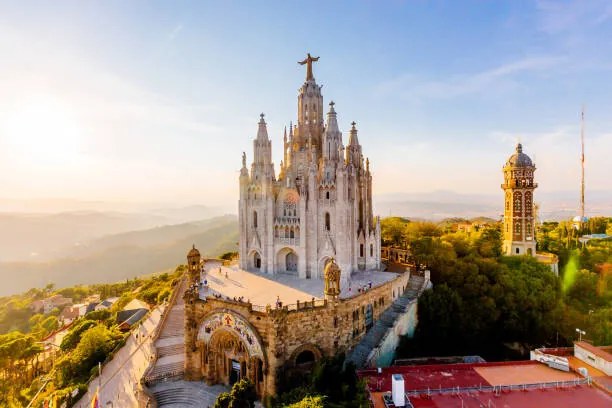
{"x":262,"y":289}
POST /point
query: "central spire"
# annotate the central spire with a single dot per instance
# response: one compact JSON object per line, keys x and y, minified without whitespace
{"x":308,"y":62}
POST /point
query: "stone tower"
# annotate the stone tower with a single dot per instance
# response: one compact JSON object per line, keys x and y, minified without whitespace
{"x":193,"y":264}
{"x":320,"y":205}
{"x":519,"y":214}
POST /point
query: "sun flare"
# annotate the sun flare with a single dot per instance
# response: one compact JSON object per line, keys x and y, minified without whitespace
{"x":43,"y":129}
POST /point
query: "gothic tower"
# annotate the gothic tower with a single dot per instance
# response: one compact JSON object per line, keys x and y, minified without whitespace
{"x":519,"y":214}
{"x":319,"y":207}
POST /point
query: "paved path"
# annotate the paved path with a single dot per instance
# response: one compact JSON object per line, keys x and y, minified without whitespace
{"x":121,"y":375}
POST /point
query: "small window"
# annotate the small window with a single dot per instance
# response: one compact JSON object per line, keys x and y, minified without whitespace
{"x":327,"y":193}
{"x":254,"y":219}
{"x":371,"y":250}
{"x":518,"y":251}
{"x":361,"y":250}
{"x":327,"y":222}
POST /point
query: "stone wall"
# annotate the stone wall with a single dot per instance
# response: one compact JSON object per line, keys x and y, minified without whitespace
{"x":323,"y":328}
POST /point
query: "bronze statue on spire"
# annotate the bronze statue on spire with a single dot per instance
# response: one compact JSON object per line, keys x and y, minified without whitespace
{"x":308,"y":62}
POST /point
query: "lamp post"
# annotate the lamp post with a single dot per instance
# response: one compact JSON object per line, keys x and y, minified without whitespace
{"x":580,"y":333}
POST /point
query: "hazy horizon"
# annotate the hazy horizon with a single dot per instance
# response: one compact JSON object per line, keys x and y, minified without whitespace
{"x":150,"y":104}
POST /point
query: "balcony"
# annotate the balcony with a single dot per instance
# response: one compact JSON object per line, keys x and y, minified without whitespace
{"x":287,"y":241}
{"x":286,"y":220}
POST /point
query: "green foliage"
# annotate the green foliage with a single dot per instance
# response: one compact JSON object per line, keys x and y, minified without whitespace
{"x":310,"y":401}
{"x":99,"y":315}
{"x":228,"y":256}
{"x":393,"y":229}
{"x":73,"y":337}
{"x":94,"y":347}
{"x":242,"y":395}
{"x":482,"y":300}
{"x":331,"y":383}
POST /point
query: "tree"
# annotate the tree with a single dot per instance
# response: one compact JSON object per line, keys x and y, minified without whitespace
{"x":393,"y":231}
{"x":311,"y":401}
{"x":242,"y":395}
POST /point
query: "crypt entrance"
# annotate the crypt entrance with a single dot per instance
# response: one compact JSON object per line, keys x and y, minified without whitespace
{"x":230,"y":351}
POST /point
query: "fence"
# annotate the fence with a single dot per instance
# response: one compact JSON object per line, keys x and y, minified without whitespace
{"x":498,"y":389}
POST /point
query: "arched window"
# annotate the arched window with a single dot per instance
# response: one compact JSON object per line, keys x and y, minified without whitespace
{"x":361,"y":250}
{"x":371,"y":250}
{"x":327,"y":193}
{"x":327,"y":222}
{"x":291,"y":233}
{"x":254,"y":219}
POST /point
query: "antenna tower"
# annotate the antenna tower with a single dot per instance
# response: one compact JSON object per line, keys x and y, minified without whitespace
{"x":582,"y":169}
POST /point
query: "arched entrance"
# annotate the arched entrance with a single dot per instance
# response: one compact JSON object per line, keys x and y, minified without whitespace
{"x":291,"y":261}
{"x":287,"y":261}
{"x":255,"y":261}
{"x":231,"y":350}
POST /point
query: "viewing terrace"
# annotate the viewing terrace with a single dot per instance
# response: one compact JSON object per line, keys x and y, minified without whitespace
{"x":261,"y":289}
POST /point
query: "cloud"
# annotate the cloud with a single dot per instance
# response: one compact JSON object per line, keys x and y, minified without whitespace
{"x":556,"y":17}
{"x":498,"y":79}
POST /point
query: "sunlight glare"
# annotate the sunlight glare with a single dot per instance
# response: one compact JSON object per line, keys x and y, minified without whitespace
{"x":43,"y":129}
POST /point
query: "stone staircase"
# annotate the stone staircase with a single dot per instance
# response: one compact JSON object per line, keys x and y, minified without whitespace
{"x":170,"y":344}
{"x":186,"y":394}
{"x":359,"y":354}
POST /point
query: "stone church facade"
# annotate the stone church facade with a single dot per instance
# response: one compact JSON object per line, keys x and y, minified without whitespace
{"x":319,"y":206}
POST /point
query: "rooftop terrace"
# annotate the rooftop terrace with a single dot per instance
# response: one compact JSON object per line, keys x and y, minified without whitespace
{"x":522,"y":384}
{"x":263,"y":289}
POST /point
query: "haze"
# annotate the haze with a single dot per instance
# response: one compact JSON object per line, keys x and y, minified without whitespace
{"x":152,"y":102}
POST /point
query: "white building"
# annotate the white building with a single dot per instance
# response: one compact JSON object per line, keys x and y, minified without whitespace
{"x":320,"y":205}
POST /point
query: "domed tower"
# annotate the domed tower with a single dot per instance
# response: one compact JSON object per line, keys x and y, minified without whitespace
{"x":193,"y":264}
{"x":519,"y":214}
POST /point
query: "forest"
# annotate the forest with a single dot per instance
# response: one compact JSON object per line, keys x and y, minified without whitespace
{"x":28,"y":363}
{"x":499,"y":307}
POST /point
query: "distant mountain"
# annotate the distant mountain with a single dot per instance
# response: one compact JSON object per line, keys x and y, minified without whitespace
{"x":43,"y":236}
{"x":126,"y":255}
{"x":438,"y":205}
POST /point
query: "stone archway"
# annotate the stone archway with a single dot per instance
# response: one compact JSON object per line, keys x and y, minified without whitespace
{"x":305,"y":356}
{"x":231,"y":349}
{"x":287,"y":261}
{"x":255,"y":260}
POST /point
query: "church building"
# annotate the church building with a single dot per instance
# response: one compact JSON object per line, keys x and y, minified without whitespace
{"x":318,"y":207}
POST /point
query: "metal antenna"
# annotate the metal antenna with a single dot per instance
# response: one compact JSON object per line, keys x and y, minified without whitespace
{"x":582,"y":168}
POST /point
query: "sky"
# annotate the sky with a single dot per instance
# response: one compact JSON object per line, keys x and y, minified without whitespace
{"x":146,"y":101}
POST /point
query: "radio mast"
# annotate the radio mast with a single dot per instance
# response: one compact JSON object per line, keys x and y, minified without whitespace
{"x":582,"y":169}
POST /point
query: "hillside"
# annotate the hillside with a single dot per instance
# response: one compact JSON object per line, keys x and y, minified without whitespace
{"x":33,"y":236}
{"x":126,"y":255}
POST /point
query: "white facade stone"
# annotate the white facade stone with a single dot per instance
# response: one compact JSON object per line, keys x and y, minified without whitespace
{"x":320,"y":205}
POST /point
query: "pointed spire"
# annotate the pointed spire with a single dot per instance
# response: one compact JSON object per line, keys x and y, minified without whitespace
{"x":353,"y":141}
{"x":262,"y":132}
{"x":332,"y":122}
{"x":285,"y":135}
{"x":290,"y":130}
